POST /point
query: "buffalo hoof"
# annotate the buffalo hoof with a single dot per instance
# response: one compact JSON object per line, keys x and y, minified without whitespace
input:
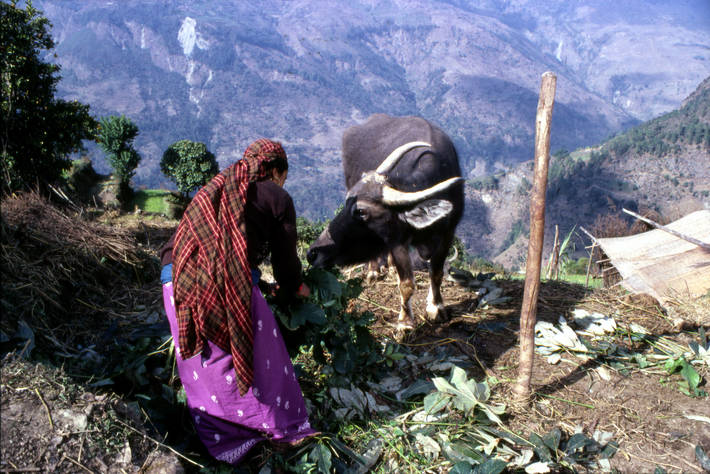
{"x":404,"y":326}
{"x":371,"y":277}
{"x":436,"y":313}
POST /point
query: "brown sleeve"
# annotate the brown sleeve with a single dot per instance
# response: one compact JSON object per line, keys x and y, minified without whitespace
{"x":166,"y":251}
{"x":284,"y":258}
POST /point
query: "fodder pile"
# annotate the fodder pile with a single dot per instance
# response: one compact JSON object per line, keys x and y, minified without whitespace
{"x":64,"y":276}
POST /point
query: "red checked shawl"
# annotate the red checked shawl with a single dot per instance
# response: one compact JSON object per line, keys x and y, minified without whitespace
{"x":211,"y":274}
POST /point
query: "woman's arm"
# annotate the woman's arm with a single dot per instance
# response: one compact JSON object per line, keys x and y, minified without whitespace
{"x":284,"y":258}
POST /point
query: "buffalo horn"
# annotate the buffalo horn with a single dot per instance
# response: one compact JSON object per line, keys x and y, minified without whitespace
{"x":394,"y":157}
{"x":393,"y":197}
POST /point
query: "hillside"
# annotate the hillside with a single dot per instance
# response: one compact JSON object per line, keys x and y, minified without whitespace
{"x":225,"y":73}
{"x":661,"y":166}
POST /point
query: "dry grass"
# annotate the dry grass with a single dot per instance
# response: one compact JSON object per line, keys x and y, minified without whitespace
{"x":65,"y":275}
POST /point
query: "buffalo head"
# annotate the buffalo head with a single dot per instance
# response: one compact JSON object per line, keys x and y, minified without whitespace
{"x":377,"y":216}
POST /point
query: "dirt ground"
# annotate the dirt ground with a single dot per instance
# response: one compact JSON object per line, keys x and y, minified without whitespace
{"x":646,"y":413}
{"x":54,"y":421}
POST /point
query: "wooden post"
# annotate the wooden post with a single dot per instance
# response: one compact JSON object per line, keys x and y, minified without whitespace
{"x":528,"y":313}
{"x":551,"y":259}
{"x":589,"y":263}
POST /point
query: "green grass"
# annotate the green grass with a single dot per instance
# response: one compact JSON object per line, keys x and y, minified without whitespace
{"x":151,"y":200}
{"x":567,"y":278}
{"x":582,"y":280}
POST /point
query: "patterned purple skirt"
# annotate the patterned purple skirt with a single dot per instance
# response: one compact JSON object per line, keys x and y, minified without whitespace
{"x":229,"y":424}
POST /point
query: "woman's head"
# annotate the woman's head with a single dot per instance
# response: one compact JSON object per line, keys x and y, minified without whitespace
{"x":269,"y":154}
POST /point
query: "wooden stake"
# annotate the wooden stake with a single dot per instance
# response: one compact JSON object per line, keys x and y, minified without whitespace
{"x":589,"y":263}
{"x":528,"y":313}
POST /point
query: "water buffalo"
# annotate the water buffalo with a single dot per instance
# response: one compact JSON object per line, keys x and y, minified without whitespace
{"x":404,"y":190}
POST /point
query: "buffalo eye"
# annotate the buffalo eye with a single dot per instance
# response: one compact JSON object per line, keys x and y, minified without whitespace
{"x":360,"y":214}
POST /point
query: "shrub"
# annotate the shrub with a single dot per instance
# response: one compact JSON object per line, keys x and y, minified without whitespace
{"x":115,"y":136}
{"x":189,"y":164}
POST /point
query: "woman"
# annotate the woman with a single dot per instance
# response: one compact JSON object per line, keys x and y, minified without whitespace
{"x":239,"y":382}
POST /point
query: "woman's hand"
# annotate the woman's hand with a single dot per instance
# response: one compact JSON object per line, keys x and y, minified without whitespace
{"x":303,"y":291}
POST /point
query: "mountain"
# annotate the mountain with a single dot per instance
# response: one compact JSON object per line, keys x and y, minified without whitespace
{"x":227,"y":72}
{"x":661,"y":167}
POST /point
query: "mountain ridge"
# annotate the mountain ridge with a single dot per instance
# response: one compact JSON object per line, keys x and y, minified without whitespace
{"x":661,"y":167}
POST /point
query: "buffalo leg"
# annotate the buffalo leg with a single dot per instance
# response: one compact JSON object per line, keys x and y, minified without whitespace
{"x":400,"y":257}
{"x":376,"y":268}
{"x":435,"y":309}
{"x":372,"y":272}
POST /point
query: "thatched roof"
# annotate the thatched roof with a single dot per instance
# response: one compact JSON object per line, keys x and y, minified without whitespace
{"x":661,"y":264}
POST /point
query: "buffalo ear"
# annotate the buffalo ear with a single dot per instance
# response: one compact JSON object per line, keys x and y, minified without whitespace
{"x":427,"y":213}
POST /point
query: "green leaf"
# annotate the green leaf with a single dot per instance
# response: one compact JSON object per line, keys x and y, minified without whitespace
{"x":552,"y":439}
{"x":326,"y":284}
{"x":641,"y":360}
{"x":320,"y":454}
{"x":540,"y":448}
{"x":577,"y":441}
{"x":690,"y":375}
{"x":467,"y":451}
{"x":702,"y":458}
{"x":492,"y":466}
{"x":458,"y":376}
{"x":435,"y":402}
{"x":609,"y":450}
{"x":695,"y":347}
{"x":461,"y":467}
{"x":672,"y":365}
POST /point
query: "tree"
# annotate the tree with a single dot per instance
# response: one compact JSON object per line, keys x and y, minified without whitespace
{"x":38,"y":131}
{"x":115,"y":136}
{"x":189,"y":164}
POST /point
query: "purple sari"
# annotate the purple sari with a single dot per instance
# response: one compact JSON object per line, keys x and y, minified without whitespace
{"x":229,"y":424}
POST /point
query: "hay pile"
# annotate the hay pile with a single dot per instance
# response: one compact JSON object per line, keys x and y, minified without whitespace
{"x":64,"y":275}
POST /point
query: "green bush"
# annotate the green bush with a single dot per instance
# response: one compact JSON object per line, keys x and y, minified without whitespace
{"x":189,"y":164}
{"x":115,"y":136}
{"x":576,"y":267}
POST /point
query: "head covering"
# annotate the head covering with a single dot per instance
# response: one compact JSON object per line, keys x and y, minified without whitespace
{"x":211,"y":274}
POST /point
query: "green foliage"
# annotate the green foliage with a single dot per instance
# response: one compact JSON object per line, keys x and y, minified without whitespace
{"x":485,"y":183}
{"x":666,"y":135}
{"x":340,"y":338}
{"x":189,"y":164}
{"x":516,"y":231}
{"x":691,"y":378}
{"x":483,"y":444}
{"x":308,"y":232}
{"x":115,"y":136}
{"x":38,"y":131}
{"x":466,"y":395}
{"x":559,"y":451}
{"x":576,"y":267}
